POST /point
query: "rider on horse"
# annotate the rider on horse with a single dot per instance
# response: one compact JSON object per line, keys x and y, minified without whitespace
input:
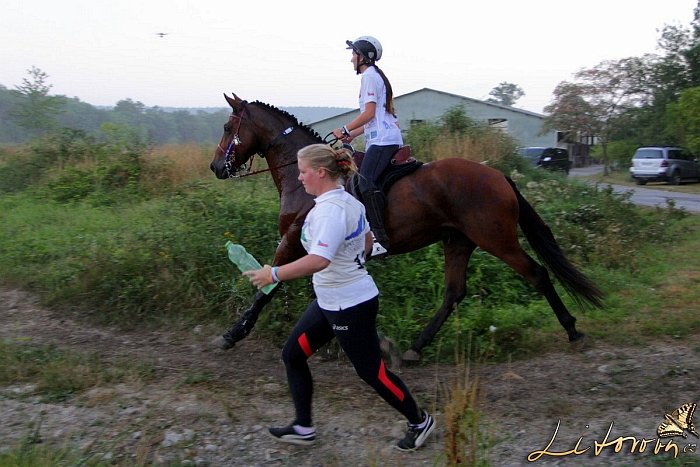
{"x":378,"y":122}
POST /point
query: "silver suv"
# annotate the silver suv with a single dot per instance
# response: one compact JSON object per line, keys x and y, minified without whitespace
{"x":664,"y":164}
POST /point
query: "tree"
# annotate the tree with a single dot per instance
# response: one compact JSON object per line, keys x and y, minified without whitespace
{"x":692,"y":54}
{"x":679,"y":67}
{"x":456,"y":120}
{"x":676,"y":69}
{"x":603,"y":94}
{"x":34,"y":109}
{"x":9,"y":130}
{"x":505,"y":94}
{"x":133,"y":114}
{"x":689,"y":105}
{"x":684,"y":119}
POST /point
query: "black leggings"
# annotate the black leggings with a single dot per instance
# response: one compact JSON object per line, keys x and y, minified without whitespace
{"x":355,"y":329}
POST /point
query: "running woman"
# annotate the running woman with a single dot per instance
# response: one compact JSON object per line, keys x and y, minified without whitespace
{"x":336,"y":237}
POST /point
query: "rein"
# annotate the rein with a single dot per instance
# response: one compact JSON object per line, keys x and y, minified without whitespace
{"x":269,"y":169}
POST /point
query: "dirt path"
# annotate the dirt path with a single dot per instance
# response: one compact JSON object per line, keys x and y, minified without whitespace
{"x":223,"y":421}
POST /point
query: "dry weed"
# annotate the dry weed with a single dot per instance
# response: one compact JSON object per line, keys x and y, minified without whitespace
{"x":173,"y":165}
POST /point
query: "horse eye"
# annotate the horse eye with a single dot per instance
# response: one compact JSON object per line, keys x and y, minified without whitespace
{"x":227,"y":128}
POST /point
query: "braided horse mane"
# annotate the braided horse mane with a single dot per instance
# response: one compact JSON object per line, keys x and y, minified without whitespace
{"x":296,"y":122}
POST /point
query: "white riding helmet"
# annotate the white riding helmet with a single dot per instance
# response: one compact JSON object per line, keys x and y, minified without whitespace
{"x":367,"y":46}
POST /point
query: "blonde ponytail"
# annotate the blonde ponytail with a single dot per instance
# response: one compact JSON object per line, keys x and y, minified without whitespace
{"x":338,"y":162}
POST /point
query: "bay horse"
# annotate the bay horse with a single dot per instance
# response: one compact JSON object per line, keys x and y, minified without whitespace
{"x":461,"y":203}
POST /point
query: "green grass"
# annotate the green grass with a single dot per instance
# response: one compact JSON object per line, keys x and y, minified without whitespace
{"x":55,"y":374}
{"x":658,"y":298}
{"x":32,"y":454}
{"x":150,"y":259}
{"x":163,"y":258}
{"x":688,"y":460}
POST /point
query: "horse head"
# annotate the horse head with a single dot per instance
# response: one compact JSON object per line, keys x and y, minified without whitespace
{"x":238,"y":143}
{"x":259,"y":128}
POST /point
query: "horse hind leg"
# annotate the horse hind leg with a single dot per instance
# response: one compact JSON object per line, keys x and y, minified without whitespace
{"x":458,"y":249}
{"x":545,"y":286}
{"x":538,"y":276}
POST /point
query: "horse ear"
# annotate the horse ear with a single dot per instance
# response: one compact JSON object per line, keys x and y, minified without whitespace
{"x":233,"y":102}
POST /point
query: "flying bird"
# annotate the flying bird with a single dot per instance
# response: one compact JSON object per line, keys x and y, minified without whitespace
{"x":161,"y":34}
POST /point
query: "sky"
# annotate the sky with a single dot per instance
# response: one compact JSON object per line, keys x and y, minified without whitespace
{"x":293,"y":53}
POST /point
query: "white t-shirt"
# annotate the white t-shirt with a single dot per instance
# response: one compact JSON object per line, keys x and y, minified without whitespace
{"x":383,"y":129}
{"x":335,"y":229}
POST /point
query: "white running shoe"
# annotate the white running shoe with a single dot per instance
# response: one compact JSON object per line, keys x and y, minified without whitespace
{"x":417,"y":434}
{"x":289,"y":434}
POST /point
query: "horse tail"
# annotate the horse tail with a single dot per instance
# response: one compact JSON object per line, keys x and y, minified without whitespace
{"x":542,"y":241}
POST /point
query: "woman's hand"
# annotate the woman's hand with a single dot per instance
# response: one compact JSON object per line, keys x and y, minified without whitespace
{"x":260,"y":277}
{"x":344,"y":135}
{"x":304,"y":266}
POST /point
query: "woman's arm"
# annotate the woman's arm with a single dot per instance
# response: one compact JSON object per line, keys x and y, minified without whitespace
{"x":369,"y":242}
{"x":304,"y":266}
{"x":357,"y":126}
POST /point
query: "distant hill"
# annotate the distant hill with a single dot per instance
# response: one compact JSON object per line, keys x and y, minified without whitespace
{"x":157,"y":125}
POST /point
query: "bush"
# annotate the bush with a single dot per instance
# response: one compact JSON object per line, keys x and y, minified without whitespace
{"x":619,"y":153}
{"x":16,"y":171}
{"x":597,"y":225}
{"x":72,"y":184}
{"x":51,"y":153}
{"x":456,"y":135}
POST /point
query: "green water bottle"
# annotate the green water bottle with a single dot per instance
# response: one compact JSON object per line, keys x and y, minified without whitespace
{"x":245,"y":262}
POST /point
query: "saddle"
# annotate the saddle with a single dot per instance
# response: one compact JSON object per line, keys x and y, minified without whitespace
{"x":402,"y":164}
{"x":400,"y":157}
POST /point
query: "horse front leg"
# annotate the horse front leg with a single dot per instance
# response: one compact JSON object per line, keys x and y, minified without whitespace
{"x":247,"y":321}
{"x":458,"y":249}
{"x":287,"y":251}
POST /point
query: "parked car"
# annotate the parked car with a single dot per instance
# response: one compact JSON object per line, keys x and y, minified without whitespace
{"x":547,"y":158}
{"x":664,"y":164}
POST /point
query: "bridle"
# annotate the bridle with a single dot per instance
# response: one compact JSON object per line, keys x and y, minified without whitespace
{"x":244,"y":169}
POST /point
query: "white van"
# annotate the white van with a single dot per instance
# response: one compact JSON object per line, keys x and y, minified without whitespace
{"x":664,"y":164}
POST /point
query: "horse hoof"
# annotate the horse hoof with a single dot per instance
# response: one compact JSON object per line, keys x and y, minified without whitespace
{"x":581,"y":343}
{"x":222,"y":343}
{"x":411,"y":356}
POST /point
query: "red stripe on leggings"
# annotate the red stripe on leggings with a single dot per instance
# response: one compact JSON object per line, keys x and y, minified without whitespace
{"x":387,"y":382}
{"x":304,"y":343}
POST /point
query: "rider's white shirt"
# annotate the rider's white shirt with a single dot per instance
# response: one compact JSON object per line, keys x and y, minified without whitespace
{"x":383,"y":129}
{"x":335,"y":229}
